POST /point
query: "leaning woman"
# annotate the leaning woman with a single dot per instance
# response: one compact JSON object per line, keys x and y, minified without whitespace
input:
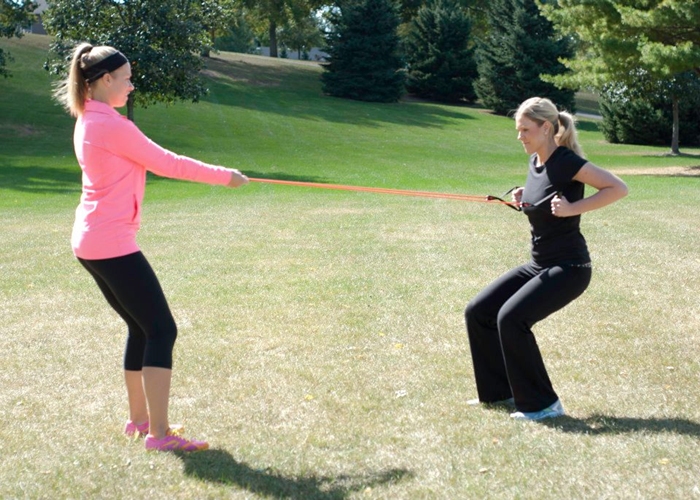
{"x":114,"y":156}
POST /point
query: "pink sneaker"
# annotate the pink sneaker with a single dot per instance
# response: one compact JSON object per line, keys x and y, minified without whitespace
{"x":172,"y":442}
{"x":140,"y":430}
{"x":132,"y":429}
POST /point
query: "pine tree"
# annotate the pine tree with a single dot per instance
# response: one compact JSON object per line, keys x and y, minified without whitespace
{"x":364,"y":52}
{"x":620,"y":38}
{"x":440,"y":60}
{"x":646,"y":110}
{"x":520,"y":47}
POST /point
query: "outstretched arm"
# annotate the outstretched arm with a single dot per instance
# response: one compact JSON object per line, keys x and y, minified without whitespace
{"x":127,"y":141}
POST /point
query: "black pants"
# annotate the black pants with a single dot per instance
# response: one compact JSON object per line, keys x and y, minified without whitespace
{"x":507,"y":360}
{"x":134,"y":292}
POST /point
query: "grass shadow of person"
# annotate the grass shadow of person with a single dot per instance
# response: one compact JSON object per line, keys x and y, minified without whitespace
{"x":598,"y":424}
{"x":219,"y":466}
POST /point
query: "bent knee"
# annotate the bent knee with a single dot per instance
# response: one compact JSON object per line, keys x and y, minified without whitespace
{"x":472,"y":310}
{"x":507,"y":318}
{"x":163,"y":332}
{"x":160,"y":345}
{"x":511,"y":323}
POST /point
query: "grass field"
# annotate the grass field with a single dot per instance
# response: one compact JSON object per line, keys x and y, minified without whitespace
{"x":321,"y":344}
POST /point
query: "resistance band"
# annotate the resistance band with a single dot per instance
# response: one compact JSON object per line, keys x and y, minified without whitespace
{"x":402,"y":192}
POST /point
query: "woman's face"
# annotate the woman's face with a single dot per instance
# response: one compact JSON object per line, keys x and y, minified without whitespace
{"x":532,"y":135}
{"x":118,"y":86}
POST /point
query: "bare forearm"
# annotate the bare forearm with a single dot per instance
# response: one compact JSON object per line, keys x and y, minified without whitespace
{"x":600,"y":199}
{"x":610,"y":188}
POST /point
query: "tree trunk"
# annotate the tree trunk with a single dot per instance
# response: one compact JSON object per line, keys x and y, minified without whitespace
{"x":206,"y":50}
{"x":273,"y":39}
{"x":676,"y":127}
{"x":130,"y":108}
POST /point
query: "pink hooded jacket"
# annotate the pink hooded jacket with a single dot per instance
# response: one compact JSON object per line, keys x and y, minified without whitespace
{"x":114,"y":156}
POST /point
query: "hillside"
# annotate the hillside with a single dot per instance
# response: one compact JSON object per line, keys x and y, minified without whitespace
{"x":269,"y":117}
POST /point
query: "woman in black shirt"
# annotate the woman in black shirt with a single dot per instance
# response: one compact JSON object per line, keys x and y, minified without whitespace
{"x":508,"y":366}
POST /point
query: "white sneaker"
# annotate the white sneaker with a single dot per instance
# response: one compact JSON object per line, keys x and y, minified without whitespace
{"x":504,"y":402}
{"x":555,"y":410}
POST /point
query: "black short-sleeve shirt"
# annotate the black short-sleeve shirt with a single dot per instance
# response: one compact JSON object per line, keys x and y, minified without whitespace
{"x":555,"y":240}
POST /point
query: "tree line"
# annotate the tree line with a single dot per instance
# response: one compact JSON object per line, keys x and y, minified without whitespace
{"x":641,"y":56}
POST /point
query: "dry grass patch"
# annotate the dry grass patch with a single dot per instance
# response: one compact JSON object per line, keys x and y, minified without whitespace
{"x":664,"y":171}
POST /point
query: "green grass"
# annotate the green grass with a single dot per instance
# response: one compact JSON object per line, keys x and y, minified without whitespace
{"x":321,"y":343}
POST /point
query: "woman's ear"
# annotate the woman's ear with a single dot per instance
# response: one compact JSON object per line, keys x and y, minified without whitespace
{"x":107,"y":79}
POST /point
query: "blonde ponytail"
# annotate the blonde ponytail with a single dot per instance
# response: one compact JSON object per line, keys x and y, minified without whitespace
{"x":74,"y":90}
{"x":568,"y":135}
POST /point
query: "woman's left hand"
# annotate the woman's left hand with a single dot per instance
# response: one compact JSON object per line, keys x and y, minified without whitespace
{"x":561,"y":207}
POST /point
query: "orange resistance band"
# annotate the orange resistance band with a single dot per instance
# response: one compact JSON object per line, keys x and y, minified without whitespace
{"x":403,"y":192}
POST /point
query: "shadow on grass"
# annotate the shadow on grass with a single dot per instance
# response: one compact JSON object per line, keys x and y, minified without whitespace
{"x":686,"y":155}
{"x":39,"y":179}
{"x":294,"y":91}
{"x":607,"y":425}
{"x":218,"y":466}
{"x":688,"y":172}
{"x":59,"y":181}
{"x":671,"y":155}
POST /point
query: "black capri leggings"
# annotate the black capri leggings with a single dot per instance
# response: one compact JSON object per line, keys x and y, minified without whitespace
{"x":507,"y":360}
{"x":132,"y":289}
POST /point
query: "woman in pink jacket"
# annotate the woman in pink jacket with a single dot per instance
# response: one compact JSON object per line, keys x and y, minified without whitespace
{"x":114,"y":156}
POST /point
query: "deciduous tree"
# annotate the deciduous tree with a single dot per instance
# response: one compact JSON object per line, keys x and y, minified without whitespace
{"x":301,"y":35}
{"x":162,"y":40}
{"x":14,"y":15}
{"x":275,"y":14}
{"x":619,"y":38}
{"x":640,"y":114}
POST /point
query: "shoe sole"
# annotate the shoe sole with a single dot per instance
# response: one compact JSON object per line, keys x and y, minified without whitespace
{"x":521,"y":416}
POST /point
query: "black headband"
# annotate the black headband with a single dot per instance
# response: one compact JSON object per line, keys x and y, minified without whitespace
{"x":106,"y":65}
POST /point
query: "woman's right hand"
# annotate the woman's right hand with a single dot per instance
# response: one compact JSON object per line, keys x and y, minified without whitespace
{"x":237,"y":179}
{"x":517,"y":195}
